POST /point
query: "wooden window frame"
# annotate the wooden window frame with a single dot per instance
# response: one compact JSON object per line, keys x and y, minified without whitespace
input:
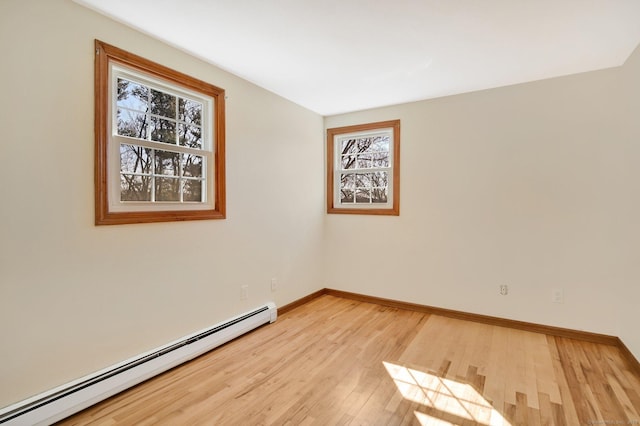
{"x":215,"y":170}
{"x":332,"y":153}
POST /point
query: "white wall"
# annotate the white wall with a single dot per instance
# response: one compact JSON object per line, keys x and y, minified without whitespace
{"x":630,"y":296}
{"x":75,"y":298}
{"x":535,"y":186}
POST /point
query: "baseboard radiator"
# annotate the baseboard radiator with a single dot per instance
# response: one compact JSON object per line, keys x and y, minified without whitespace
{"x":63,"y":401}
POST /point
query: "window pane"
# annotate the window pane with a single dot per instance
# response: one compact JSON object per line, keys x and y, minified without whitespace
{"x":190,"y":111}
{"x":192,"y":190}
{"x":163,"y":104}
{"x":135,"y":159}
{"x":163,"y":130}
{"x":363,"y":181}
{"x":131,"y":123}
{"x":167,"y":189}
{"x":190,"y":136}
{"x":379,"y":183}
{"x":132,"y":95}
{"x":167,"y":163}
{"x":380,"y":159}
{"x":364,"y":161}
{"x":379,"y":195}
{"x":348,"y":162}
{"x":192,"y":165}
{"x":346,"y":195}
{"x":348,"y":181}
{"x":363,"y":195}
{"x":347,"y":188}
{"x":135,"y":188}
{"x":349,"y":146}
{"x":363,"y":188}
{"x":379,"y":179}
{"x":364,"y":144}
{"x":380,"y":143}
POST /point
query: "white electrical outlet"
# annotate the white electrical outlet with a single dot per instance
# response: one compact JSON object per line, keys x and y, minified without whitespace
{"x":244,"y":292}
{"x":274,"y":284}
{"x":557,"y":295}
{"x":504,"y":290}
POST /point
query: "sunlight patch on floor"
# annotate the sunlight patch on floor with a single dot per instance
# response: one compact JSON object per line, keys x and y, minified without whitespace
{"x":425,"y":419}
{"x":450,"y":399}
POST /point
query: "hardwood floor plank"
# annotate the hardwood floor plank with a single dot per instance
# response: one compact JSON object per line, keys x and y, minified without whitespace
{"x":336,"y":361}
{"x":631,"y":412}
{"x":559,"y":416}
{"x":564,"y":406}
{"x":546,"y":412}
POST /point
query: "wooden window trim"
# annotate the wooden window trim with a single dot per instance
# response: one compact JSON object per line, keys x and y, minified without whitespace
{"x":105,"y":54}
{"x":331,"y":161}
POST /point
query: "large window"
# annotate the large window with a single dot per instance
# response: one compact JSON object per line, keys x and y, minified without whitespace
{"x":363,"y":169}
{"x":159,"y":142}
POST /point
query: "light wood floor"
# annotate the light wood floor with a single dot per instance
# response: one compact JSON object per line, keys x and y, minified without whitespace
{"x":335,"y":361}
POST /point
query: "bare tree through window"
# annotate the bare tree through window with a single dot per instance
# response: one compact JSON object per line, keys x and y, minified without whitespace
{"x":363,"y":168}
{"x":361,"y":154}
{"x":160,"y":142}
{"x":149,"y":174}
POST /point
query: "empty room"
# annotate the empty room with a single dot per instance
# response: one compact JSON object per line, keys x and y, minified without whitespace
{"x":354,"y":212}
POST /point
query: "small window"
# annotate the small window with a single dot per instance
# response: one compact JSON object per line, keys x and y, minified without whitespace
{"x":363,"y":171}
{"x":159,"y":142}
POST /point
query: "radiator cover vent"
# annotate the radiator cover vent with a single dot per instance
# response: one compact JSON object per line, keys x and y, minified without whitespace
{"x":61,"y":402}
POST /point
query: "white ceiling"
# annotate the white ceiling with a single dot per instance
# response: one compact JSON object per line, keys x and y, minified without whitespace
{"x":335,"y":56}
